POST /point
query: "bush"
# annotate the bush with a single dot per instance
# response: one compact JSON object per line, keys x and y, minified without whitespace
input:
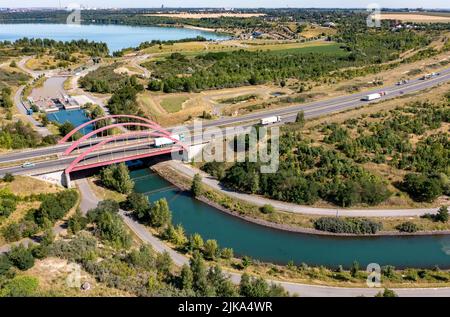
{"x":422,"y":187}
{"x":347,"y":225}
{"x":408,"y":226}
{"x":20,"y":286}
{"x":8,"y":177}
{"x":196,"y":187}
{"x":21,"y":257}
{"x":267,"y":209}
{"x":387,"y":293}
{"x":227,"y":253}
{"x":55,"y":206}
{"x":5,"y":264}
{"x":442,"y":214}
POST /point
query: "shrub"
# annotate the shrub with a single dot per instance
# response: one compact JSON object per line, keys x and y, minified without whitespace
{"x":21,"y":286}
{"x":347,"y":225}
{"x":408,"y":226}
{"x":21,"y":257}
{"x":442,"y":214}
{"x":8,"y":177}
{"x":267,"y":209}
{"x":422,"y":187}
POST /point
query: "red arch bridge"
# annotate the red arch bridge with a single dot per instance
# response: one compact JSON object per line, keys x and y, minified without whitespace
{"x":115,"y":139}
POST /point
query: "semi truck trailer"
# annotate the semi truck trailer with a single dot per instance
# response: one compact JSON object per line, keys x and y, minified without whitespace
{"x":270,"y":120}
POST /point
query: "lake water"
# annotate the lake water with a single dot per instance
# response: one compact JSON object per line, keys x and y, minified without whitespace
{"x":116,"y":37}
{"x":279,"y":246}
{"x":76,"y":117}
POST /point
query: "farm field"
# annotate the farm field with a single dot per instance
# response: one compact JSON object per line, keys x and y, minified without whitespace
{"x":416,"y":17}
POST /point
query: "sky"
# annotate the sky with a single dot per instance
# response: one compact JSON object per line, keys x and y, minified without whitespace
{"x":230,"y":3}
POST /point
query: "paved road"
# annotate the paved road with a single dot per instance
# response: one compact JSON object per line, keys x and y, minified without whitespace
{"x":313,"y":109}
{"x":303,"y":290}
{"x":23,"y":110}
{"x":294,"y":208}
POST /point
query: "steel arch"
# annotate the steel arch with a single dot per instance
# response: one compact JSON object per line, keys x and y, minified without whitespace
{"x":75,"y":144}
{"x":71,"y":133}
{"x":74,"y":163}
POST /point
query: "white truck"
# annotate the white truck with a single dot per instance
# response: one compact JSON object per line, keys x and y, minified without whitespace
{"x":159,"y":142}
{"x":270,"y":120}
{"x":375,"y":96}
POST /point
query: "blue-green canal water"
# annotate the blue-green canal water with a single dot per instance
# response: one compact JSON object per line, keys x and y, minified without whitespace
{"x":277,"y":246}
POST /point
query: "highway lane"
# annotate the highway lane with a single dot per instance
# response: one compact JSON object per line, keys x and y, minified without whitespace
{"x":288,"y":114}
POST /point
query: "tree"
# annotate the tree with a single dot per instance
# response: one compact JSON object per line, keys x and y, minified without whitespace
{"x":160,"y":214}
{"x":139,"y":204}
{"x":221,"y":285}
{"x":442,"y":214}
{"x":44,"y":120}
{"x":211,"y":249}
{"x":176,"y":235}
{"x":21,"y":257}
{"x":253,"y":287}
{"x":199,"y":273}
{"x":117,"y":177}
{"x":227,"y":253}
{"x":164,"y":264}
{"x":354,"y":269}
{"x":422,"y":187}
{"x":65,"y":128}
{"x":196,"y":242}
{"x":186,"y":277}
{"x":12,"y":232}
{"x":196,"y":187}
{"x":110,"y":228}
{"x":300,"y":119}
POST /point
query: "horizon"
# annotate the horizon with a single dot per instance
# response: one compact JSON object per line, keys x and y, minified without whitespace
{"x":233,"y":4}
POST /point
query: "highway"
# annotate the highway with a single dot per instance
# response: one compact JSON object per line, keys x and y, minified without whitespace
{"x":288,"y":114}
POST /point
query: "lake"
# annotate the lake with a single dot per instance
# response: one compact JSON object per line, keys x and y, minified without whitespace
{"x":116,"y":37}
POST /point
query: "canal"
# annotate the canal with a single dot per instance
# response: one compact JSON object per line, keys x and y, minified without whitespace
{"x":277,"y":246}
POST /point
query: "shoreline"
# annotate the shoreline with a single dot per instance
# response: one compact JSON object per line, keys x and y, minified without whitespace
{"x":289,"y":228}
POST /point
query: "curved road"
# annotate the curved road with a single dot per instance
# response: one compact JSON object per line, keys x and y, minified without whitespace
{"x":294,"y":208}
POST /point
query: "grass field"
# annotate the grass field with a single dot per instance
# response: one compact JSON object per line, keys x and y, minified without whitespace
{"x":434,"y":17}
{"x":173,"y":104}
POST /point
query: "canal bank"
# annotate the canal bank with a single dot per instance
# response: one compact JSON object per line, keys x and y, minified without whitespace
{"x":277,"y":246}
{"x":214,"y":199}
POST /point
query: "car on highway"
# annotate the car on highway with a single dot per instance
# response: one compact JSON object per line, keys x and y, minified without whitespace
{"x":28,"y":165}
